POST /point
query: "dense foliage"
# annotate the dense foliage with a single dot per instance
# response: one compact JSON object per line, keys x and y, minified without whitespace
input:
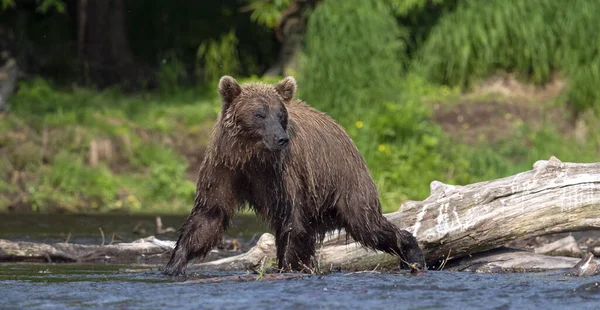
{"x":353,"y":50}
{"x":89,"y":151}
{"x":534,"y":38}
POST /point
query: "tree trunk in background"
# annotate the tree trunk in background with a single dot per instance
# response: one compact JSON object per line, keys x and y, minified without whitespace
{"x":104,"y":46}
{"x":8,"y":68}
{"x":290,"y":31}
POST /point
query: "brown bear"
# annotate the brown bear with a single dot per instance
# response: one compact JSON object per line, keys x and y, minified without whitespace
{"x":296,"y":168}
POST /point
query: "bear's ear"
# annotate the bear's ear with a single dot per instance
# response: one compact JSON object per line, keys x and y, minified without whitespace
{"x":286,"y":88}
{"x":229,"y":89}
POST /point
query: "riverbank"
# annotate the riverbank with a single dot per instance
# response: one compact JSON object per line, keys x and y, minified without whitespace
{"x":81,"y":151}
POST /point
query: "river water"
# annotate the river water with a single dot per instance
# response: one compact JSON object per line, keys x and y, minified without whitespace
{"x":73,"y":286}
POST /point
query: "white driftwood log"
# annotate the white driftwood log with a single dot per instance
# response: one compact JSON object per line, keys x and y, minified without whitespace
{"x":138,"y":252}
{"x":512,"y":260}
{"x":461,"y":220}
{"x":563,"y":247}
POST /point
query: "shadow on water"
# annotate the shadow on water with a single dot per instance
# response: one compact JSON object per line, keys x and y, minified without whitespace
{"x":98,"y":286}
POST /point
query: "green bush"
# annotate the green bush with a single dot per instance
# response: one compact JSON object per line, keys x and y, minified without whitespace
{"x":69,"y":184}
{"x":172,"y":72}
{"x":405,"y":150}
{"x":218,"y":57}
{"x":353,"y":57}
{"x":145,"y":170}
{"x":534,"y":38}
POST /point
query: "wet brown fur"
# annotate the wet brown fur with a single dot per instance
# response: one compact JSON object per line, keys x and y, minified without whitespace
{"x":318,"y":183}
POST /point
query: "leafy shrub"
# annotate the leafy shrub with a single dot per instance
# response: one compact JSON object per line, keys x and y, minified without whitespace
{"x":405,"y":150}
{"x":267,"y":12}
{"x":70,"y":184}
{"x":352,"y":70}
{"x":145,"y":170}
{"x":218,"y":57}
{"x":172,"y":72}
{"x":353,"y":57}
{"x":532,"y":37}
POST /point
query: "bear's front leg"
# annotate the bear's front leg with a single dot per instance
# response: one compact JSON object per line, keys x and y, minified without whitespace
{"x":201,"y":232}
{"x":215,"y":204}
{"x":295,"y":247}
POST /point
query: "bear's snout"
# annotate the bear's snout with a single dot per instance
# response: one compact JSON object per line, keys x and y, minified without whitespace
{"x":283,"y":141}
{"x":277,"y":141}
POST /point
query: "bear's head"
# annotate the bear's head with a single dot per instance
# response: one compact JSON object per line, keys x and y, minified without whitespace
{"x":256,"y":112}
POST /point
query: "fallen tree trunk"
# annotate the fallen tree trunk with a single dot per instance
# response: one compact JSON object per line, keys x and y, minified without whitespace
{"x":141,"y":251}
{"x":554,"y":197}
{"x":458,"y":221}
{"x":511,"y":260}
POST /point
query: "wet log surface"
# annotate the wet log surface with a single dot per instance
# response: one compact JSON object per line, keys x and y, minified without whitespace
{"x":141,"y":251}
{"x":461,"y":228}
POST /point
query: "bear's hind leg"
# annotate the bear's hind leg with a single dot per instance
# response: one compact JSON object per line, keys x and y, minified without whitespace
{"x":373,"y":230}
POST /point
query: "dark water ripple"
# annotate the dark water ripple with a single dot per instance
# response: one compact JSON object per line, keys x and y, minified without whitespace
{"x":30,"y":286}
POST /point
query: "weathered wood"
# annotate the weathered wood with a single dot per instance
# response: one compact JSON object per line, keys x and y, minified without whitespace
{"x":149,"y":250}
{"x":263,"y":251}
{"x":454,"y":222}
{"x":588,"y":266}
{"x":563,"y":247}
{"x":553,"y":197}
{"x":511,"y":260}
{"x":139,"y":251}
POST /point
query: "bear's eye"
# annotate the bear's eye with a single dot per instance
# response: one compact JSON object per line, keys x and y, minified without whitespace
{"x":259,"y":115}
{"x":283,"y":120}
{"x":282,"y":117}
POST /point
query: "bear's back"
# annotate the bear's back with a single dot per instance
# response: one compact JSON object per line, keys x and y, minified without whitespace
{"x":323,"y":156}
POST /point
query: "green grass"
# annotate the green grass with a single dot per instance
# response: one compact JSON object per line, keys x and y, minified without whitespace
{"x":45,"y":157}
{"x":144,"y":143}
{"x":46,"y":144}
{"x":353,"y":58}
{"x":534,"y":38}
{"x":528,"y":145}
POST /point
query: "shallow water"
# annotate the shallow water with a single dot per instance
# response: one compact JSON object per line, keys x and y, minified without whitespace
{"x":27,"y":286}
{"x":72,"y":286}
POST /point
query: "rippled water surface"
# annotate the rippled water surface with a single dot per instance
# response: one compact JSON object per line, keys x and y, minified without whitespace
{"x":26,"y":286}
{"x":70,"y":286}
